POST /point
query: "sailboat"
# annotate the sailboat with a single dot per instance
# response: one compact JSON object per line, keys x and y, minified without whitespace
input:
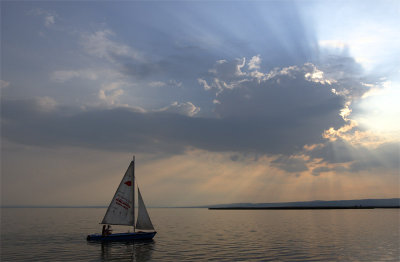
{"x":121,"y":211}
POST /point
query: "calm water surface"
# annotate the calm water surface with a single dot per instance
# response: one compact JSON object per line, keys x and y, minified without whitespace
{"x":59,"y":234}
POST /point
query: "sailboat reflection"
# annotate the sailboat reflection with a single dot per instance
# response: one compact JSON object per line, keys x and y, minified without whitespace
{"x":126,"y":251}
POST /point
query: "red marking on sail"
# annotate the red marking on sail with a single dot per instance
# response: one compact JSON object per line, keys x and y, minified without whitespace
{"x":122,"y":203}
{"x":128,"y":183}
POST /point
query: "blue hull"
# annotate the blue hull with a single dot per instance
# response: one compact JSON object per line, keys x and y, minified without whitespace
{"x":122,"y":236}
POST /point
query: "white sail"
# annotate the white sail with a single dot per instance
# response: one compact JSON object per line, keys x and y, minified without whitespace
{"x":120,"y":211}
{"x":143,"y":220}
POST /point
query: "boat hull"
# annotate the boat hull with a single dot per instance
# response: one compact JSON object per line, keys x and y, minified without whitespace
{"x":122,"y":236}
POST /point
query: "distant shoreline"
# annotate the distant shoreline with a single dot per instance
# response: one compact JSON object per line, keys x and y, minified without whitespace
{"x":228,"y":208}
{"x":300,"y":208}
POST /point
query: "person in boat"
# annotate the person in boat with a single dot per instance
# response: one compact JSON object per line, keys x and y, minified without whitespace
{"x":108,"y":230}
{"x":103,"y":231}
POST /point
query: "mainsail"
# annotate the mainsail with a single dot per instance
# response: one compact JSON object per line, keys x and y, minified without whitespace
{"x":143,"y":220}
{"x":120,"y":210}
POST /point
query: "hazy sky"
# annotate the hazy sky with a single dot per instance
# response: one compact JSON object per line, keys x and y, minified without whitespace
{"x":220,"y":101}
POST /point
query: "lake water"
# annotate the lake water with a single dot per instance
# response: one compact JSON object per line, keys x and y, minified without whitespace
{"x":59,"y":234}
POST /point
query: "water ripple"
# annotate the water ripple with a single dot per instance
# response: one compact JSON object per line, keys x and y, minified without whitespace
{"x":205,"y":235}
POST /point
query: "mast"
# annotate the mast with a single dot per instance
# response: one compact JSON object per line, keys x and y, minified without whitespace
{"x":133,"y":195}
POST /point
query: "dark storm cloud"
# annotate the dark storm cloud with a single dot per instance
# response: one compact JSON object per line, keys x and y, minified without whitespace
{"x":269,"y":113}
{"x":284,"y":93}
{"x":274,"y":112}
{"x":122,"y":129}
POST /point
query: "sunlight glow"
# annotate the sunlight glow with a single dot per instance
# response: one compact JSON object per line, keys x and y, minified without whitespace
{"x":381,"y":110}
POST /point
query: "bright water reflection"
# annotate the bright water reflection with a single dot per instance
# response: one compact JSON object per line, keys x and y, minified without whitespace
{"x":49,"y":234}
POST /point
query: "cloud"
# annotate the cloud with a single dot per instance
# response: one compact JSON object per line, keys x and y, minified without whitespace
{"x":4,"y":84}
{"x":254,"y":62}
{"x":288,"y":98}
{"x":348,"y":76}
{"x":157,"y":84}
{"x":338,"y":151}
{"x":204,"y":84}
{"x":100,"y":44}
{"x":46,"y":103}
{"x":49,"y":17}
{"x":317,"y":171}
{"x":168,"y":131}
{"x":140,"y":69}
{"x":186,"y":108}
{"x":290,"y":164}
{"x":62,"y":76}
{"x":109,"y":93}
{"x":277,"y":113}
{"x":170,"y":83}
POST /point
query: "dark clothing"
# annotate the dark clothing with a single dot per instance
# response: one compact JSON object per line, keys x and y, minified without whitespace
{"x":103,"y":231}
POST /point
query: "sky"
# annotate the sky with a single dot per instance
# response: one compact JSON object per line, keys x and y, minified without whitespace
{"x":220,"y":101}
